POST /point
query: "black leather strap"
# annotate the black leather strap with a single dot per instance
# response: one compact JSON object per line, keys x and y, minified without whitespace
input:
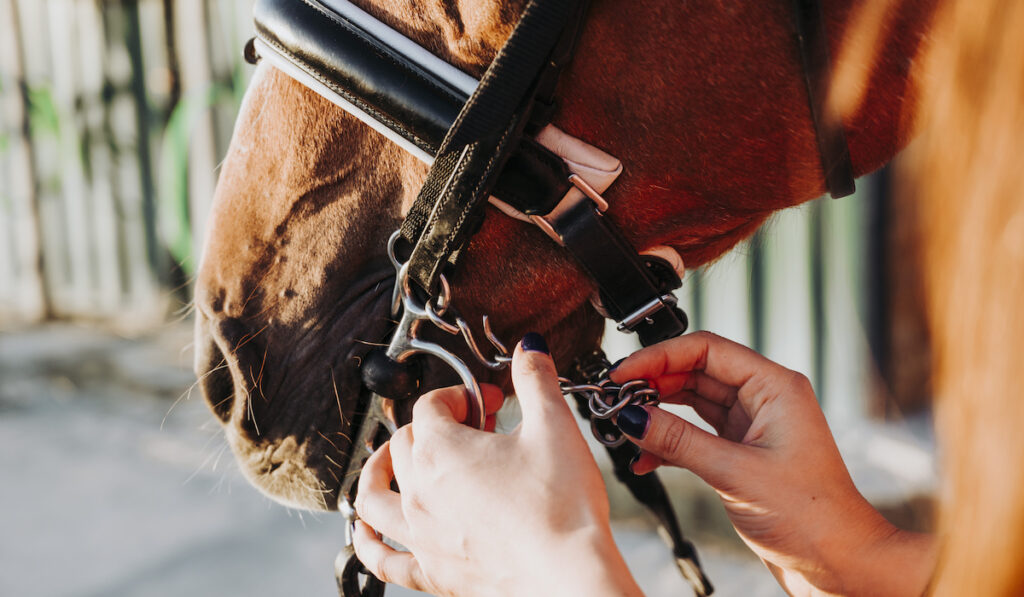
{"x":624,"y":280}
{"x":835,"y":153}
{"x":360,"y":68}
{"x":534,"y":179}
{"x":450,"y":204}
{"x":397,"y":92}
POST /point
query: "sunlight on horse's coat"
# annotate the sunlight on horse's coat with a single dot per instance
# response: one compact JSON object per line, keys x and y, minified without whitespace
{"x":705,"y":106}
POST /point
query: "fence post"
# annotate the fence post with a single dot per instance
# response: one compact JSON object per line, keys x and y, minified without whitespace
{"x":133,"y":41}
{"x":197,"y":80}
{"x":35,"y":301}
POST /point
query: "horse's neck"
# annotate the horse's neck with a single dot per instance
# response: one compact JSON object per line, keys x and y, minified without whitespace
{"x":705,"y":105}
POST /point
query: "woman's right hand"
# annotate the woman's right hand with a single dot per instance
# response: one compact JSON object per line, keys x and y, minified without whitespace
{"x":775,"y":466}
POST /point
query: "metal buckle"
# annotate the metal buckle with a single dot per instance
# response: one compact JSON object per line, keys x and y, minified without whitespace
{"x":644,"y":313}
{"x":589,"y":192}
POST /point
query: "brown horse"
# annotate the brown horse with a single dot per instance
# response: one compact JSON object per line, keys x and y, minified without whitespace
{"x":704,"y":103}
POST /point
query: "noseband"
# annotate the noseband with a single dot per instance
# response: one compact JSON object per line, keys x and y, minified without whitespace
{"x":480,"y":138}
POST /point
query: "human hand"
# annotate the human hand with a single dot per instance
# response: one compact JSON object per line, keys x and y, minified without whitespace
{"x":775,"y":466}
{"x":481,"y":513}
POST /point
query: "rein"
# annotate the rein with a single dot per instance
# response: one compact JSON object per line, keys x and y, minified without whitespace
{"x":481,"y":141}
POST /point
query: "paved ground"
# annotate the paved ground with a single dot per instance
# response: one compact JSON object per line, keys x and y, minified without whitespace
{"x":110,"y":485}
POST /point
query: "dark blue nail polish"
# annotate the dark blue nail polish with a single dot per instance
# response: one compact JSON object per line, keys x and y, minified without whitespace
{"x":534,"y":342}
{"x":633,"y":421}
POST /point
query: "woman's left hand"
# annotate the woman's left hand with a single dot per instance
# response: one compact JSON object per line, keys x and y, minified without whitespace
{"x":482,"y":513}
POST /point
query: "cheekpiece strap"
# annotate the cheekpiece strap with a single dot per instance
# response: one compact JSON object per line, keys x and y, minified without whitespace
{"x":449,"y":208}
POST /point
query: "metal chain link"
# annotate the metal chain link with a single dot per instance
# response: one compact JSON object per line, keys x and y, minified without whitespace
{"x":606,"y":398}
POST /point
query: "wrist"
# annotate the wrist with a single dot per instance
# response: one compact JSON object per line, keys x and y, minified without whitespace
{"x":586,"y":563}
{"x":882,"y":560}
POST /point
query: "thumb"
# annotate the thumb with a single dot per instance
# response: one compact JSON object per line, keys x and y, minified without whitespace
{"x":536,"y":385}
{"x":679,"y":442}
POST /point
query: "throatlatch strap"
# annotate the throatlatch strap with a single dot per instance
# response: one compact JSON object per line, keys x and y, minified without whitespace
{"x":449,"y":206}
{"x":835,"y":153}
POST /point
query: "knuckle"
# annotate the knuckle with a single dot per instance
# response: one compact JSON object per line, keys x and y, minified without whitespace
{"x":428,"y":398}
{"x":675,"y":438}
{"x":363,"y":508}
{"x":705,"y":335}
{"x":412,"y":503}
{"x":384,"y":570}
{"x":799,"y":383}
{"x":400,"y":438}
{"x":536,"y":366}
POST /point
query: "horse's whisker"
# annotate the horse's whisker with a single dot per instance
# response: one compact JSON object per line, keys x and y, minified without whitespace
{"x":337,"y":398}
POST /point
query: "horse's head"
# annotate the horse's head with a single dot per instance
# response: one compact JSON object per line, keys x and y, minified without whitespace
{"x":706,"y":108}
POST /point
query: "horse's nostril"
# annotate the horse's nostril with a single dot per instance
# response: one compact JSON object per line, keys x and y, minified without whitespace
{"x":215,"y":380}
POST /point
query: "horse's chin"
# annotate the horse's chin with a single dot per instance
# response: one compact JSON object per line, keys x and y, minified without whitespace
{"x":286,"y":392}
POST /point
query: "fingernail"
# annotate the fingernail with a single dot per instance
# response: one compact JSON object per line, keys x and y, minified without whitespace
{"x":632,"y":462}
{"x":534,"y":342}
{"x":633,"y":421}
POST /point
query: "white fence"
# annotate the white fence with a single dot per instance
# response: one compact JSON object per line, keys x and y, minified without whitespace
{"x":115,"y":114}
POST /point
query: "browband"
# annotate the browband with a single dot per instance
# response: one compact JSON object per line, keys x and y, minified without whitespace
{"x":392,"y":85}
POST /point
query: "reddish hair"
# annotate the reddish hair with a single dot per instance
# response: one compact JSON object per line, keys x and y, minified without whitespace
{"x":969,"y":175}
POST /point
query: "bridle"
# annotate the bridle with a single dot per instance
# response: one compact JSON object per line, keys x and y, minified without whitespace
{"x":480,"y":139}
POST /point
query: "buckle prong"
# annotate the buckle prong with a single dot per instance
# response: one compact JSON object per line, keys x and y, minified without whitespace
{"x":645,"y":312}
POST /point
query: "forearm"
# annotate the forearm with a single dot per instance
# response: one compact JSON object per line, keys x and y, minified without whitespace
{"x":884,"y":562}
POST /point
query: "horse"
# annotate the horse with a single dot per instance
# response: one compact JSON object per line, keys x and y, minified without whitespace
{"x":704,"y":103}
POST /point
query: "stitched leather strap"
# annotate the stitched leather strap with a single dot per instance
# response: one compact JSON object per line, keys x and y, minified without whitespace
{"x":412,"y":102}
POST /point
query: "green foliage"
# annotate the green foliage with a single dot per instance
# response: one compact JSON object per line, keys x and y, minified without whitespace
{"x":173,"y":193}
{"x":44,"y":117}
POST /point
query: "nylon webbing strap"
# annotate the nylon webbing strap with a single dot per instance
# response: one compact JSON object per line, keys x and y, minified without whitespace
{"x":450,"y":204}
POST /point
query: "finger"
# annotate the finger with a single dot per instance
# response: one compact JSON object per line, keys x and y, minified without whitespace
{"x":712,"y":413}
{"x":645,"y":463}
{"x":387,"y":564}
{"x":400,"y":449}
{"x":536,"y":384}
{"x":698,"y":383}
{"x":375,"y":503}
{"x":451,"y":405}
{"x":683,"y":444}
{"x":725,"y":361}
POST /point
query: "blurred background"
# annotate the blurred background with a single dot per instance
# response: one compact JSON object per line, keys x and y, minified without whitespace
{"x":114,"y":478}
